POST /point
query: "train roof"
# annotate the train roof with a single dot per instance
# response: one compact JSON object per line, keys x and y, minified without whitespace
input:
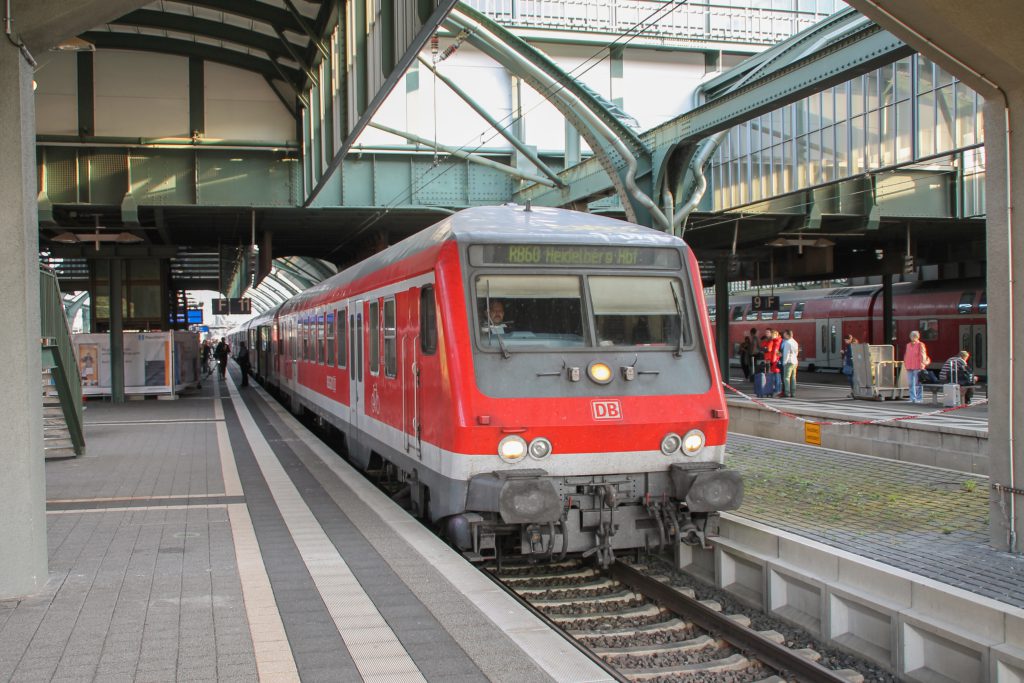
{"x":501,"y":224}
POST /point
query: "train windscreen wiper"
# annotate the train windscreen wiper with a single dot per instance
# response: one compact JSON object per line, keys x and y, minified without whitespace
{"x":679,"y":310}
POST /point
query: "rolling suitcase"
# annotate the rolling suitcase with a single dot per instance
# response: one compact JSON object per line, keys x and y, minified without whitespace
{"x":761,"y":388}
{"x":951,"y":395}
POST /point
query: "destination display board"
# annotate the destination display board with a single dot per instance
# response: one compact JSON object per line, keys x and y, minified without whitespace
{"x":571,"y":255}
{"x":764,"y":303}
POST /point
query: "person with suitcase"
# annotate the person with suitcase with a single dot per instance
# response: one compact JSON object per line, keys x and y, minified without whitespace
{"x":956,"y":373}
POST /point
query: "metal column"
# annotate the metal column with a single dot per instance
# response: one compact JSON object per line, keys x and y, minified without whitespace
{"x":722,"y":315}
{"x":116,"y":333}
{"x":888,"y":325}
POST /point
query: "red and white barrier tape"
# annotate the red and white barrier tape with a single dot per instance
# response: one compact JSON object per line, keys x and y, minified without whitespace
{"x":835,"y":423}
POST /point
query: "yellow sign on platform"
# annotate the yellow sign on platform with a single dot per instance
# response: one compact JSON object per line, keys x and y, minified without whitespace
{"x":812,"y":433}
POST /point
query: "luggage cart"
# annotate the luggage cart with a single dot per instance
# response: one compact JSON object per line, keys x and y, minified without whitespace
{"x":877,"y":375}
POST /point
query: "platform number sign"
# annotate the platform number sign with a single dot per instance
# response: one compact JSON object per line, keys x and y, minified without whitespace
{"x":764,"y":303}
{"x":232,"y":306}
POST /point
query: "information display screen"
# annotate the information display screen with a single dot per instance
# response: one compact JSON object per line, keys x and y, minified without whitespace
{"x":570,"y":255}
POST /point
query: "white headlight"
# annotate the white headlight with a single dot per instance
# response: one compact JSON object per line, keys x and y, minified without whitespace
{"x":693,"y":442}
{"x":670,"y":444}
{"x":540,"y":448}
{"x":512,"y":448}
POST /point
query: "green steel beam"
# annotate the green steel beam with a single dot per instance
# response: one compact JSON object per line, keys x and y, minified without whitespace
{"x":858,"y":52}
{"x":185,"y":48}
{"x":297,"y":58}
{"x":599,"y":106}
{"x":365,"y":113}
{"x":259,"y":11}
{"x":494,"y":123}
{"x":183,"y":23}
{"x":310,"y":32}
{"x":466,"y":156}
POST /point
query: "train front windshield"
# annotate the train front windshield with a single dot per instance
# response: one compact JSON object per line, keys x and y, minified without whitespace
{"x":535,"y":311}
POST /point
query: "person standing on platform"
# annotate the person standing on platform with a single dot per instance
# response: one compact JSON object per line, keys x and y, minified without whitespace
{"x":790,"y":359}
{"x":243,"y":362}
{"x":775,"y":343}
{"x":848,"y":342}
{"x":747,"y":358}
{"x":915,"y":359}
{"x":221,"y":355}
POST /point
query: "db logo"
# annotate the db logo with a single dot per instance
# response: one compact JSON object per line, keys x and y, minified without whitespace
{"x":606,"y":410}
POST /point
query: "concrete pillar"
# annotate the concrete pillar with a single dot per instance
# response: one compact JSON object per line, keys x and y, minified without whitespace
{"x":23,"y":567}
{"x":1005,"y":236}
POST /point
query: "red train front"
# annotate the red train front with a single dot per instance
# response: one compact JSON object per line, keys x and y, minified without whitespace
{"x":538,"y":378}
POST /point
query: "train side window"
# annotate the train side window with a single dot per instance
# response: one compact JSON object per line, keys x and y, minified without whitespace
{"x":966,"y":304}
{"x":824,"y":339}
{"x":330,"y":337}
{"x":428,"y":321}
{"x":787,"y":309}
{"x":751,"y":315}
{"x":983,"y":303}
{"x":767,"y":315}
{"x":342,"y":336}
{"x":979,"y":350}
{"x":737,"y":313}
{"x":373,"y":332}
{"x":390,"y":340}
{"x":929,"y":330}
{"x":359,"y":346}
{"x":712,"y":313}
{"x":798,"y":312}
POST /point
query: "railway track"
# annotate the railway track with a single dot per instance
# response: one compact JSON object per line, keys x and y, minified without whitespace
{"x":642,"y":629}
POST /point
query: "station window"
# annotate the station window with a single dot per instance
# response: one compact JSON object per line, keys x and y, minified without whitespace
{"x":966,"y":304}
{"x":342,"y":337}
{"x":929,"y":330}
{"x":330,"y":338}
{"x":798,"y":312}
{"x":737,"y":313}
{"x":373,"y":331}
{"x":390,"y":340}
{"x":428,"y":321}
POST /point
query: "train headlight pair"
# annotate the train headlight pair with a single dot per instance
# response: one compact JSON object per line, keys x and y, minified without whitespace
{"x":691,"y":444}
{"x":514,"y":448}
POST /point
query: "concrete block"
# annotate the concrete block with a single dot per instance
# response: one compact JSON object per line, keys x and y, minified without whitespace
{"x":939,"y":603}
{"x":698,"y":561}
{"x":1014,"y":634}
{"x":932,"y":653}
{"x":795,"y":598}
{"x":889,"y":589}
{"x":816,"y":561}
{"x":862,"y":625}
{"x":954,"y":460}
{"x":741,"y":574}
{"x":749,"y":538}
{"x":1007,"y":664}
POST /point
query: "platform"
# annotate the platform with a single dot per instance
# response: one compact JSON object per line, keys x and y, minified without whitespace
{"x":926,"y":433}
{"x":214,"y":538}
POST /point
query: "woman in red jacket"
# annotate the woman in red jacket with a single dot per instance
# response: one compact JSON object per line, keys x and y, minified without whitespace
{"x":915,"y":359}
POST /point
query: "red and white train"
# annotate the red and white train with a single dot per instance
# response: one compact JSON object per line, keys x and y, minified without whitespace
{"x":586,"y":416}
{"x":950,"y":315}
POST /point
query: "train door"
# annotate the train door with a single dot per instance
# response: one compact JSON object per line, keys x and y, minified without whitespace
{"x":355,"y":372}
{"x":974,"y":340}
{"x":829,"y":349}
{"x":409,"y":361}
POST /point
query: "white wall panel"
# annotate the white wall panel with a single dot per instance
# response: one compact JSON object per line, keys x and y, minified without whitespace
{"x":241,"y":106}
{"x":139,"y":94}
{"x":659,"y":86}
{"x":57,"y":94}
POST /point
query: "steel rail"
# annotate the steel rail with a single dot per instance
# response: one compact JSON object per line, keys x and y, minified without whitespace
{"x":770,"y":653}
{"x":590,"y":654}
